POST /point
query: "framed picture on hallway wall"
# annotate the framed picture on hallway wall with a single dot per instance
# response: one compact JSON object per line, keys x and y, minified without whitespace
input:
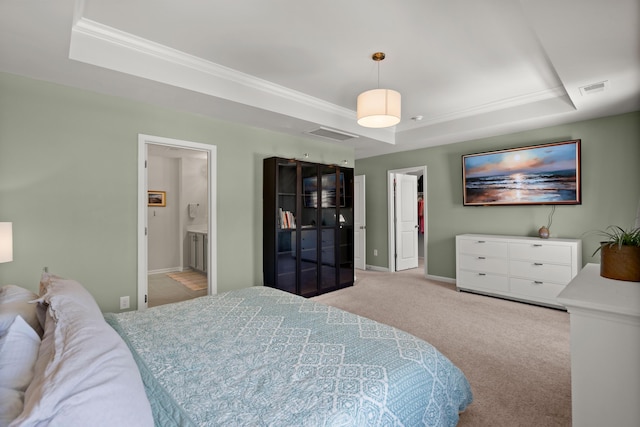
{"x":157,"y":198}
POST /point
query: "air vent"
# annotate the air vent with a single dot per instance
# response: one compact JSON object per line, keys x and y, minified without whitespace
{"x":594,"y":88}
{"x":332,"y":134}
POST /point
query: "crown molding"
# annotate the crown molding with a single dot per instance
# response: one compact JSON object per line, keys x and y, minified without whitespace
{"x":107,"y":34}
{"x":516,"y":101}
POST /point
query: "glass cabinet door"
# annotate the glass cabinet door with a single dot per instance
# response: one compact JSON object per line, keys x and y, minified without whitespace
{"x":345,"y":229}
{"x":286,"y":225}
{"x":329,"y":210}
{"x":309,"y":229}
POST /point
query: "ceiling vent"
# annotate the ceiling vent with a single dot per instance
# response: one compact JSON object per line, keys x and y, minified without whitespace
{"x":594,"y":88}
{"x":332,"y":134}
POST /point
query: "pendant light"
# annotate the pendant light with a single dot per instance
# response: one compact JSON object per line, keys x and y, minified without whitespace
{"x":378,"y":108}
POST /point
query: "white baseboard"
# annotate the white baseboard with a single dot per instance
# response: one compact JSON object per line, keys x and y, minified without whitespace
{"x":165,"y":270}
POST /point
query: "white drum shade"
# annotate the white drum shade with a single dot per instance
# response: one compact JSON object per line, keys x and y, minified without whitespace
{"x":378,"y":108}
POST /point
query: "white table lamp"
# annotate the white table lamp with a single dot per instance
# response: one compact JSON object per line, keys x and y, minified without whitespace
{"x":6,"y":242}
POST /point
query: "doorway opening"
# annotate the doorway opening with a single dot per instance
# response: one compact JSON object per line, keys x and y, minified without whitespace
{"x":399,"y":237}
{"x":178,"y":233}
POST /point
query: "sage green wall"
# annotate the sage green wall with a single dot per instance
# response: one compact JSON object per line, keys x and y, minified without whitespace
{"x":610,"y":190}
{"x":68,"y":182}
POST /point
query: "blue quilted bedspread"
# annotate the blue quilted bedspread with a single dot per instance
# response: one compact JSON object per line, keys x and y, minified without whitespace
{"x":262,"y":357}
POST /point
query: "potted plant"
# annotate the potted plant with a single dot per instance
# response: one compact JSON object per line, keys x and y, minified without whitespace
{"x":620,"y":253}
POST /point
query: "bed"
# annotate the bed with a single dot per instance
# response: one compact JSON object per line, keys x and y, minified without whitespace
{"x":255,"y":356}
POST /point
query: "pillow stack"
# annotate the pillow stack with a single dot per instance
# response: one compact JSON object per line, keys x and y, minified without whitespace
{"x":84,"y":373}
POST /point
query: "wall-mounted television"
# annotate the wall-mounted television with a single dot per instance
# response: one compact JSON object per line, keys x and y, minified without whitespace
{"x":327,"y":191}
{"x":547,"y":174}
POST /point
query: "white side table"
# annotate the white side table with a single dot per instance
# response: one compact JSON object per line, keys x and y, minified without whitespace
{"x":605,"y":349}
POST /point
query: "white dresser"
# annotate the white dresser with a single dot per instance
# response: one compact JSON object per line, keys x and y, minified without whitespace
{"x":519,"y":268}
{"x":605,"y":349}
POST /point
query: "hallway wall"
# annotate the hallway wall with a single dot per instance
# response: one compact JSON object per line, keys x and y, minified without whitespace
{"x":163,"y":239}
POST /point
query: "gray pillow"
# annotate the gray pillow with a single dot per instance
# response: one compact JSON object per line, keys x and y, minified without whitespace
{"x":15,"y":301}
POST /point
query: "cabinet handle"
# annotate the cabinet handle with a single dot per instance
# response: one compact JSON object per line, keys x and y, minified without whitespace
{"x":482,"y":274}
{"x":536,"y":282}
{"x":538,"y":263}
{"x":537,"y":245}
{"x":481,"y":241}
{"x":481,"y":257}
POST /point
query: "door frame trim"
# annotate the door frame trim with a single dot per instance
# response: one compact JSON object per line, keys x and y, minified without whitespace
{"x":143,"y":267}
{"x":390,"y":214}
{"x":364,"y":230}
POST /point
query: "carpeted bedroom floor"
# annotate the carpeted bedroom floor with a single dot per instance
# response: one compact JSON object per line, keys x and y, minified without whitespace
{"x":515,"y":355}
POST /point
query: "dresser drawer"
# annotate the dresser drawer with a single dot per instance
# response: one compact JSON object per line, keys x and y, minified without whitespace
{"x":486,"y":281}
{"x":541,"y":271}
{"x":483,"y":247}
{"x":484,"y":264}
{"x":536,"y":290}
{"x":544,"y":252}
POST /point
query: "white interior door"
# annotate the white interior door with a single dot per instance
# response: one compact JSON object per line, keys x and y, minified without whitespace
{"x":406,"y":215}
{"x":359,"y":223}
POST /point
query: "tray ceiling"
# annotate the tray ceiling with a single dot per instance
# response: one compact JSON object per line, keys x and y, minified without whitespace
{"x":465,"y":69}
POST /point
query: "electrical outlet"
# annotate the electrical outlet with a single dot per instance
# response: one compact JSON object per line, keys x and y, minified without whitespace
{"x":375,"y":252}
{"x":124,"y":302}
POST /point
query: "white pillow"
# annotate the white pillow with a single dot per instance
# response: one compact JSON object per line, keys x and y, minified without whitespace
{"x":73,"y":301}
{"x":18,"y":353}
{"x":15,"y":301}
{"x":88,"y":376}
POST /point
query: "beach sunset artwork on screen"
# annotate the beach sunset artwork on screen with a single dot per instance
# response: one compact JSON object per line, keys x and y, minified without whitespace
{"x":536,"y":175}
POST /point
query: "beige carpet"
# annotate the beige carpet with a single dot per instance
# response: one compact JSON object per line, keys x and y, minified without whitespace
{"x":191,"y":279}
{"x":515,"y":355}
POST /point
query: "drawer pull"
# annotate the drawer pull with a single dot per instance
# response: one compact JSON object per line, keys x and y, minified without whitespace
{"x":537,"y":245}
{"x":482,"y":274}
{"x":536,"y":282}
{"x":481,"y":241}
{"x":481,"y":257}
{"x":538,"y":263}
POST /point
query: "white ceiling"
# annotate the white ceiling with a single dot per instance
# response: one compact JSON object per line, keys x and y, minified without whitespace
{"x":471,"y":69}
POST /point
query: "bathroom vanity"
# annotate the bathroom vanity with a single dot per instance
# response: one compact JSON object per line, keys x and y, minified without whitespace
{"x":197,"y":237}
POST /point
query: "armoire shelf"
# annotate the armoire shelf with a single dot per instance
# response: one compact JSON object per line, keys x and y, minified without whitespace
{"x":308,"y":226}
